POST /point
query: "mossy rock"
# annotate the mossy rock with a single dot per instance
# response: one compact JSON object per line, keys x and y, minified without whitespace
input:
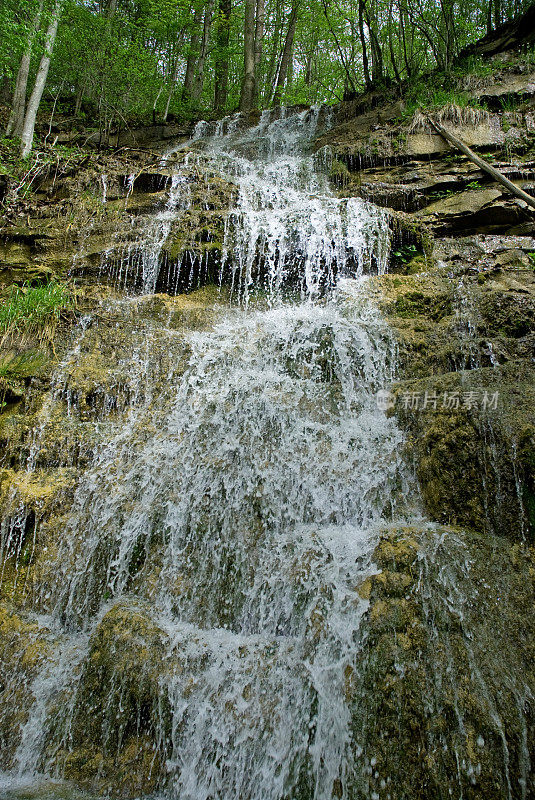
{"x":508,"y":314}
{"x":20,"y":365}
{"x":443,"y":688}
{"x":475,"y":462}
{"x":24,"y":647}
{"x":33,"y":518}
{"x":132,"y":773}
{"x":119,"y":707}
{"x":415,"y":303}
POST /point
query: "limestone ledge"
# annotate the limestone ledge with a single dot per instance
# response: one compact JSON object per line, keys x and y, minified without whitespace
{"x":466,"y":341}
{"x":72,"y":224}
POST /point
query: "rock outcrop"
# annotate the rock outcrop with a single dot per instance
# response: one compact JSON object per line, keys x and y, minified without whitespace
{"x":443,"y":696}
{"x":441,"y":691}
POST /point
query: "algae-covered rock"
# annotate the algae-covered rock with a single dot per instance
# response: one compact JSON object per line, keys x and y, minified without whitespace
{"x":466,"y":340}
{"x":33,"y":506}
{"x":116,"y":742}
{"x":121,"y":357}
{"x":471,"y":438}
{"x":24,"y":647}
{"x":102,"y":210}
{"x":443,"y":691}
{"x":462,"y":317}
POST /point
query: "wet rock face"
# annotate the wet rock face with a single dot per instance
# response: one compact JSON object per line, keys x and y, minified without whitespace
{"x":461,"y":309}
{"x":65,"y":414}
{"x":104,"y":370}
{"x":88,"y":228}
{"x":24,"y":647}
{"x":443,"y":694}
{"x":466,"y":337}
{"x":449,"y":195}
{"x":113,"y":741}
{"x":464,"y":316}
{"x":475,"y":461}
{"x":443,"y":697}
{"x":441,"y":691}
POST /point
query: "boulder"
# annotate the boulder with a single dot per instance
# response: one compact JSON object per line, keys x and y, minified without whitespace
{"x":475,"y":211}
{"x":442,"y":692}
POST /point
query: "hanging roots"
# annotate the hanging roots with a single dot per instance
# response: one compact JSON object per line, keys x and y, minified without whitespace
{"x":452,"y":113}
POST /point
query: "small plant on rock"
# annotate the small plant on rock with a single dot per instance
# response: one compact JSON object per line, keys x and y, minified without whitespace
{"x":35,"y":310}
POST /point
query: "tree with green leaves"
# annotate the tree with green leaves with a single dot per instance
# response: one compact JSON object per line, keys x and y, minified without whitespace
{"x":34,"y":101}
{"x":109,"y":64}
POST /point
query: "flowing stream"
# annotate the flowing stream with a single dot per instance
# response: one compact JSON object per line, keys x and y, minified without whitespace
{"x":221,"y":534}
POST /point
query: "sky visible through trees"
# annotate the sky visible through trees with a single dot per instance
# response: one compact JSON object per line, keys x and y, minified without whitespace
{"x":108,"y":62}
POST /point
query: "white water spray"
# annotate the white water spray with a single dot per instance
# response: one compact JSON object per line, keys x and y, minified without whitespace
{"x":240,"y":507}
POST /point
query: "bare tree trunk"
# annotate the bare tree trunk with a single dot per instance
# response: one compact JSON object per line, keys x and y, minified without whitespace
{"x":168,"y":103}
{"x":79,"y":99}
{"x":489,"y":18}
{"x":497,"y":13}
{"x":199,"y":72}
{"x":391,"y":47}
{"x":308,"y":70}
{"x":192,"y":56}
{"x":221,"y":66}
{"x":174,"y":81}
{"x":16,"y":118}
{"x":290,"y":70}
{"x":375,"y":47}
{"x":155,"y":104}
{"x":40,"y":81}
{"x":408,"y":64}
{"x":258,"y":44}
{"x":365,"y":62}
{"x":449,"y":31}
{"x":248,"y":85}
{"x":286,"y":55}
{"x":270,"y":76}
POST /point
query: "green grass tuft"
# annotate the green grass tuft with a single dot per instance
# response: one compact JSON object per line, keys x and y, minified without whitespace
{"x":34,"y":309}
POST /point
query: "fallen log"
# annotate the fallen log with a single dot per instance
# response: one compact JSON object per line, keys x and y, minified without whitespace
{"x":482,"y":164}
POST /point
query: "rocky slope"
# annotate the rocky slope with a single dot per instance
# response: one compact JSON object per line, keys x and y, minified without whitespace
{"x":460,"y":294}
{"x":442,"y":696}
{"x":461,"y":297}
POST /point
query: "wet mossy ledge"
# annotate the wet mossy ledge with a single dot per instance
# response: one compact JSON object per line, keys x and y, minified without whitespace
{"x":443,"y":694}
{"x":465,"y":329}
{"x":85,"y":225}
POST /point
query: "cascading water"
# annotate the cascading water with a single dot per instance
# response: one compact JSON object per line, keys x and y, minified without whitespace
{"x":287,"y":228}
{"x":232,"y":519}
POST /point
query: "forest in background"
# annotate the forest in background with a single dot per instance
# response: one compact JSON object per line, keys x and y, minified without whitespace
{"x":107,"y":63}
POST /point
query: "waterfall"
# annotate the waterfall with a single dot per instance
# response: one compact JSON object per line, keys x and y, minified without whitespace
{"x":234,"y":511}
{"x":287,"y":227}
{"x":286,"y":231}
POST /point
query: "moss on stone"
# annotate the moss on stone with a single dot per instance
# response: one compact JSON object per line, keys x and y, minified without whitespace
{"x":474,"y":464}
{"x":113,"y":742}
{"x":24,"y":646}
{"x":443,"y":683}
